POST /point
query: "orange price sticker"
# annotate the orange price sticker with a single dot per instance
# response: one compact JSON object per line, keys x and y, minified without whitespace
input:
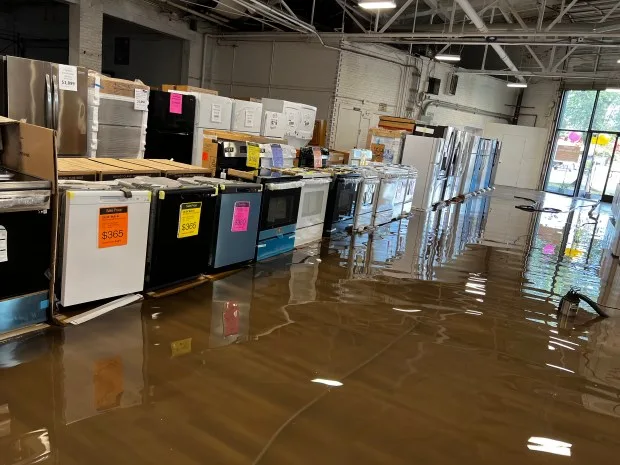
{"x":113,"y":222}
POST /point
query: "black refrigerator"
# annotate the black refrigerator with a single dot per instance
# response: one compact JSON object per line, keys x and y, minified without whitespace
{"x":170,"y":127}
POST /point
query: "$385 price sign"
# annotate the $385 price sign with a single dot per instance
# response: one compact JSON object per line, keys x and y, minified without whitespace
{"x":113,"y":225}
{"x":189,"y":219}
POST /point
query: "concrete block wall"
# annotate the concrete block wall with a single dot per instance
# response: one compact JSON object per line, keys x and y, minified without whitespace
{"x":85,"y":33}
{"x":296,"y":71}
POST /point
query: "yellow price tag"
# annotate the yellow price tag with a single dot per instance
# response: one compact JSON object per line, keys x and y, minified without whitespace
{"x":189,"y":219}
{"x":253,"y":160}
{"x":182,"y":347}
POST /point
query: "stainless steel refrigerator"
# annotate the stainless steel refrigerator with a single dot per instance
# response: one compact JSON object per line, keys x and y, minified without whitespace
{"x":426,"y":154}
{"x":49,"y":95}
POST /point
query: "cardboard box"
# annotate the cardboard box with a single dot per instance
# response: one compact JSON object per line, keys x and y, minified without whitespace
{"x":394,"y":122}
{"x":209,"y":153}
{"x":69,"y":170}
{"x":385,"y":144}
{"x":137,"y":170}
{"x":114,"y":86}
{"x":319,"y":136}
{"x":184,"y":88}
{"x":28,"y":149}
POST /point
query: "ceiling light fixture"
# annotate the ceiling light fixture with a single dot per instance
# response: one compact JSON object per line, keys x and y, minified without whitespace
{"x":447,"y":57}
{"x":327,"y":382}
{"x":612,"y":89}
{"x":520,"y":85}
{"x":377,"y":5}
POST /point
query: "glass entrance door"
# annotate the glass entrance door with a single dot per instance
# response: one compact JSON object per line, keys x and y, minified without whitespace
{"x":596,"y":167}
{"x":584,"y":160}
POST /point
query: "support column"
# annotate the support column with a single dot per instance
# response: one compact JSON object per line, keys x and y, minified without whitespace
{"x":86,"y":33}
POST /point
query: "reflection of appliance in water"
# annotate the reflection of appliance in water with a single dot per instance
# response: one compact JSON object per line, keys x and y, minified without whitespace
{"x":102,"y":365}
{"x":26,"y":407}
{"x":180,"y":231}
{"x":237,"y":215}
{"x":366,"y":199}
{"x":25,"y":232}
{"x":304,"y":272}
{"x":341,"y":201}
{"x":230,"y":309}
{"x":602,"y":365}
{"x":103,"y":240}
{"x":168,"y":134}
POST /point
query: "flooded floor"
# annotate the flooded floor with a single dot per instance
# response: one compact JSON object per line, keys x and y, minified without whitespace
{"x":434,"y":340}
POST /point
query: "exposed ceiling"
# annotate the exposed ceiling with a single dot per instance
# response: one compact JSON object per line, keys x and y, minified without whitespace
{"x":573,"y":39}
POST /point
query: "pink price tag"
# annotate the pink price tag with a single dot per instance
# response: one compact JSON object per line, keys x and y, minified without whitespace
{"x":176,"y":103}
{"x":241,"y":214}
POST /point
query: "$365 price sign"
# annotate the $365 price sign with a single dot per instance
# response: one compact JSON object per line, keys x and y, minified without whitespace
{"x":113,"y":225}
{"x":189,"y":219}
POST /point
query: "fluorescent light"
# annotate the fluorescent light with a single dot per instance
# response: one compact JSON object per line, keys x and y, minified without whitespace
{"x":327,"y":382}
{"x":377,"y":5}
{"x":618,"y":61}
{"x":406,"y":310}
{"x":559,"y":368}
{"x":520,"y":85}
{"x":550,"y":446}
{"x":447,"y":57}
{"x":612,"y":89}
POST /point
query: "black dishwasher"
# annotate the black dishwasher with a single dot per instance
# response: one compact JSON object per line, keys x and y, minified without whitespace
{"x":180,"y":230}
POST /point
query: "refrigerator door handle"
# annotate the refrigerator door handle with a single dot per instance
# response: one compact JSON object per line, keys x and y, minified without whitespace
{"x":48,"y":101}
{"x":56,"y":91}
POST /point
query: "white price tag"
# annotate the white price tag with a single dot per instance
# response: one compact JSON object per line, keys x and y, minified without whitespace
{"x":249,"y":118}
{"x":216,"y":113}
{"x":274,"y":120}
{"x":67,"y":77}
{"x":141,"y":99}
{"x":4,"y":254}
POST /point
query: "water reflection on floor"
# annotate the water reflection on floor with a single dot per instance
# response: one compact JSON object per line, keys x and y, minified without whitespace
{"x":441,"y":330}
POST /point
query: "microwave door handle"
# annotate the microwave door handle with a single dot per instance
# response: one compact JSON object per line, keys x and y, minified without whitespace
{"x":56,"y":98}
{"x":48,"y":101}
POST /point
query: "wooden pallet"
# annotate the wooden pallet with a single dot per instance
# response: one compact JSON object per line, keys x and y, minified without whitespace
{"x":202,"y":279}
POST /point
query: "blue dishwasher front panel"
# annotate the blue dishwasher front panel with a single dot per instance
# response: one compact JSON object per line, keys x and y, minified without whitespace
{"x":237,"y":228}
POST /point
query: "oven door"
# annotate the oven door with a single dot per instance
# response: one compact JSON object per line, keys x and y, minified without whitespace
{"x":367,"y":196}
{"x":387,"y":193}
{"x":346,"y":199}
{"x":280,"y":208}
{"x":313,"y":203}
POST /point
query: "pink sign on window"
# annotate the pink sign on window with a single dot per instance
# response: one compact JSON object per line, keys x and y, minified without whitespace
{"x":241,"y":214}
{"x":176,"y":103}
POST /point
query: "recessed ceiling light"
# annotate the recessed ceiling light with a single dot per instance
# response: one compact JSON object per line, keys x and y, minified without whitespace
{"x":377,"y":5}
{"x":520,"y":85}
{"x":447,"y":57}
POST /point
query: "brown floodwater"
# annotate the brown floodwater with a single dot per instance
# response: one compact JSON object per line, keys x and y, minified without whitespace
{"x":437,"y":337}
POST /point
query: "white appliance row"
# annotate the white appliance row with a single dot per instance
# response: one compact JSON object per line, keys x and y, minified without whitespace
{"x":274,"y":118}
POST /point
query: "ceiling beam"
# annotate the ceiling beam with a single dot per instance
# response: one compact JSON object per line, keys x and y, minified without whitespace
{"x":396,"y":15}
{"x":559,"y":17}
{"x":609,"y":13}
{"x":542,"y":74}
{"x":345,"y":8}
{"x":564,"y":58}
{"x":434,"y":5}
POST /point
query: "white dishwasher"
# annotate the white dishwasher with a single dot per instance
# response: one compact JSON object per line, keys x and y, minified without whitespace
{"x":103,"y":243}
